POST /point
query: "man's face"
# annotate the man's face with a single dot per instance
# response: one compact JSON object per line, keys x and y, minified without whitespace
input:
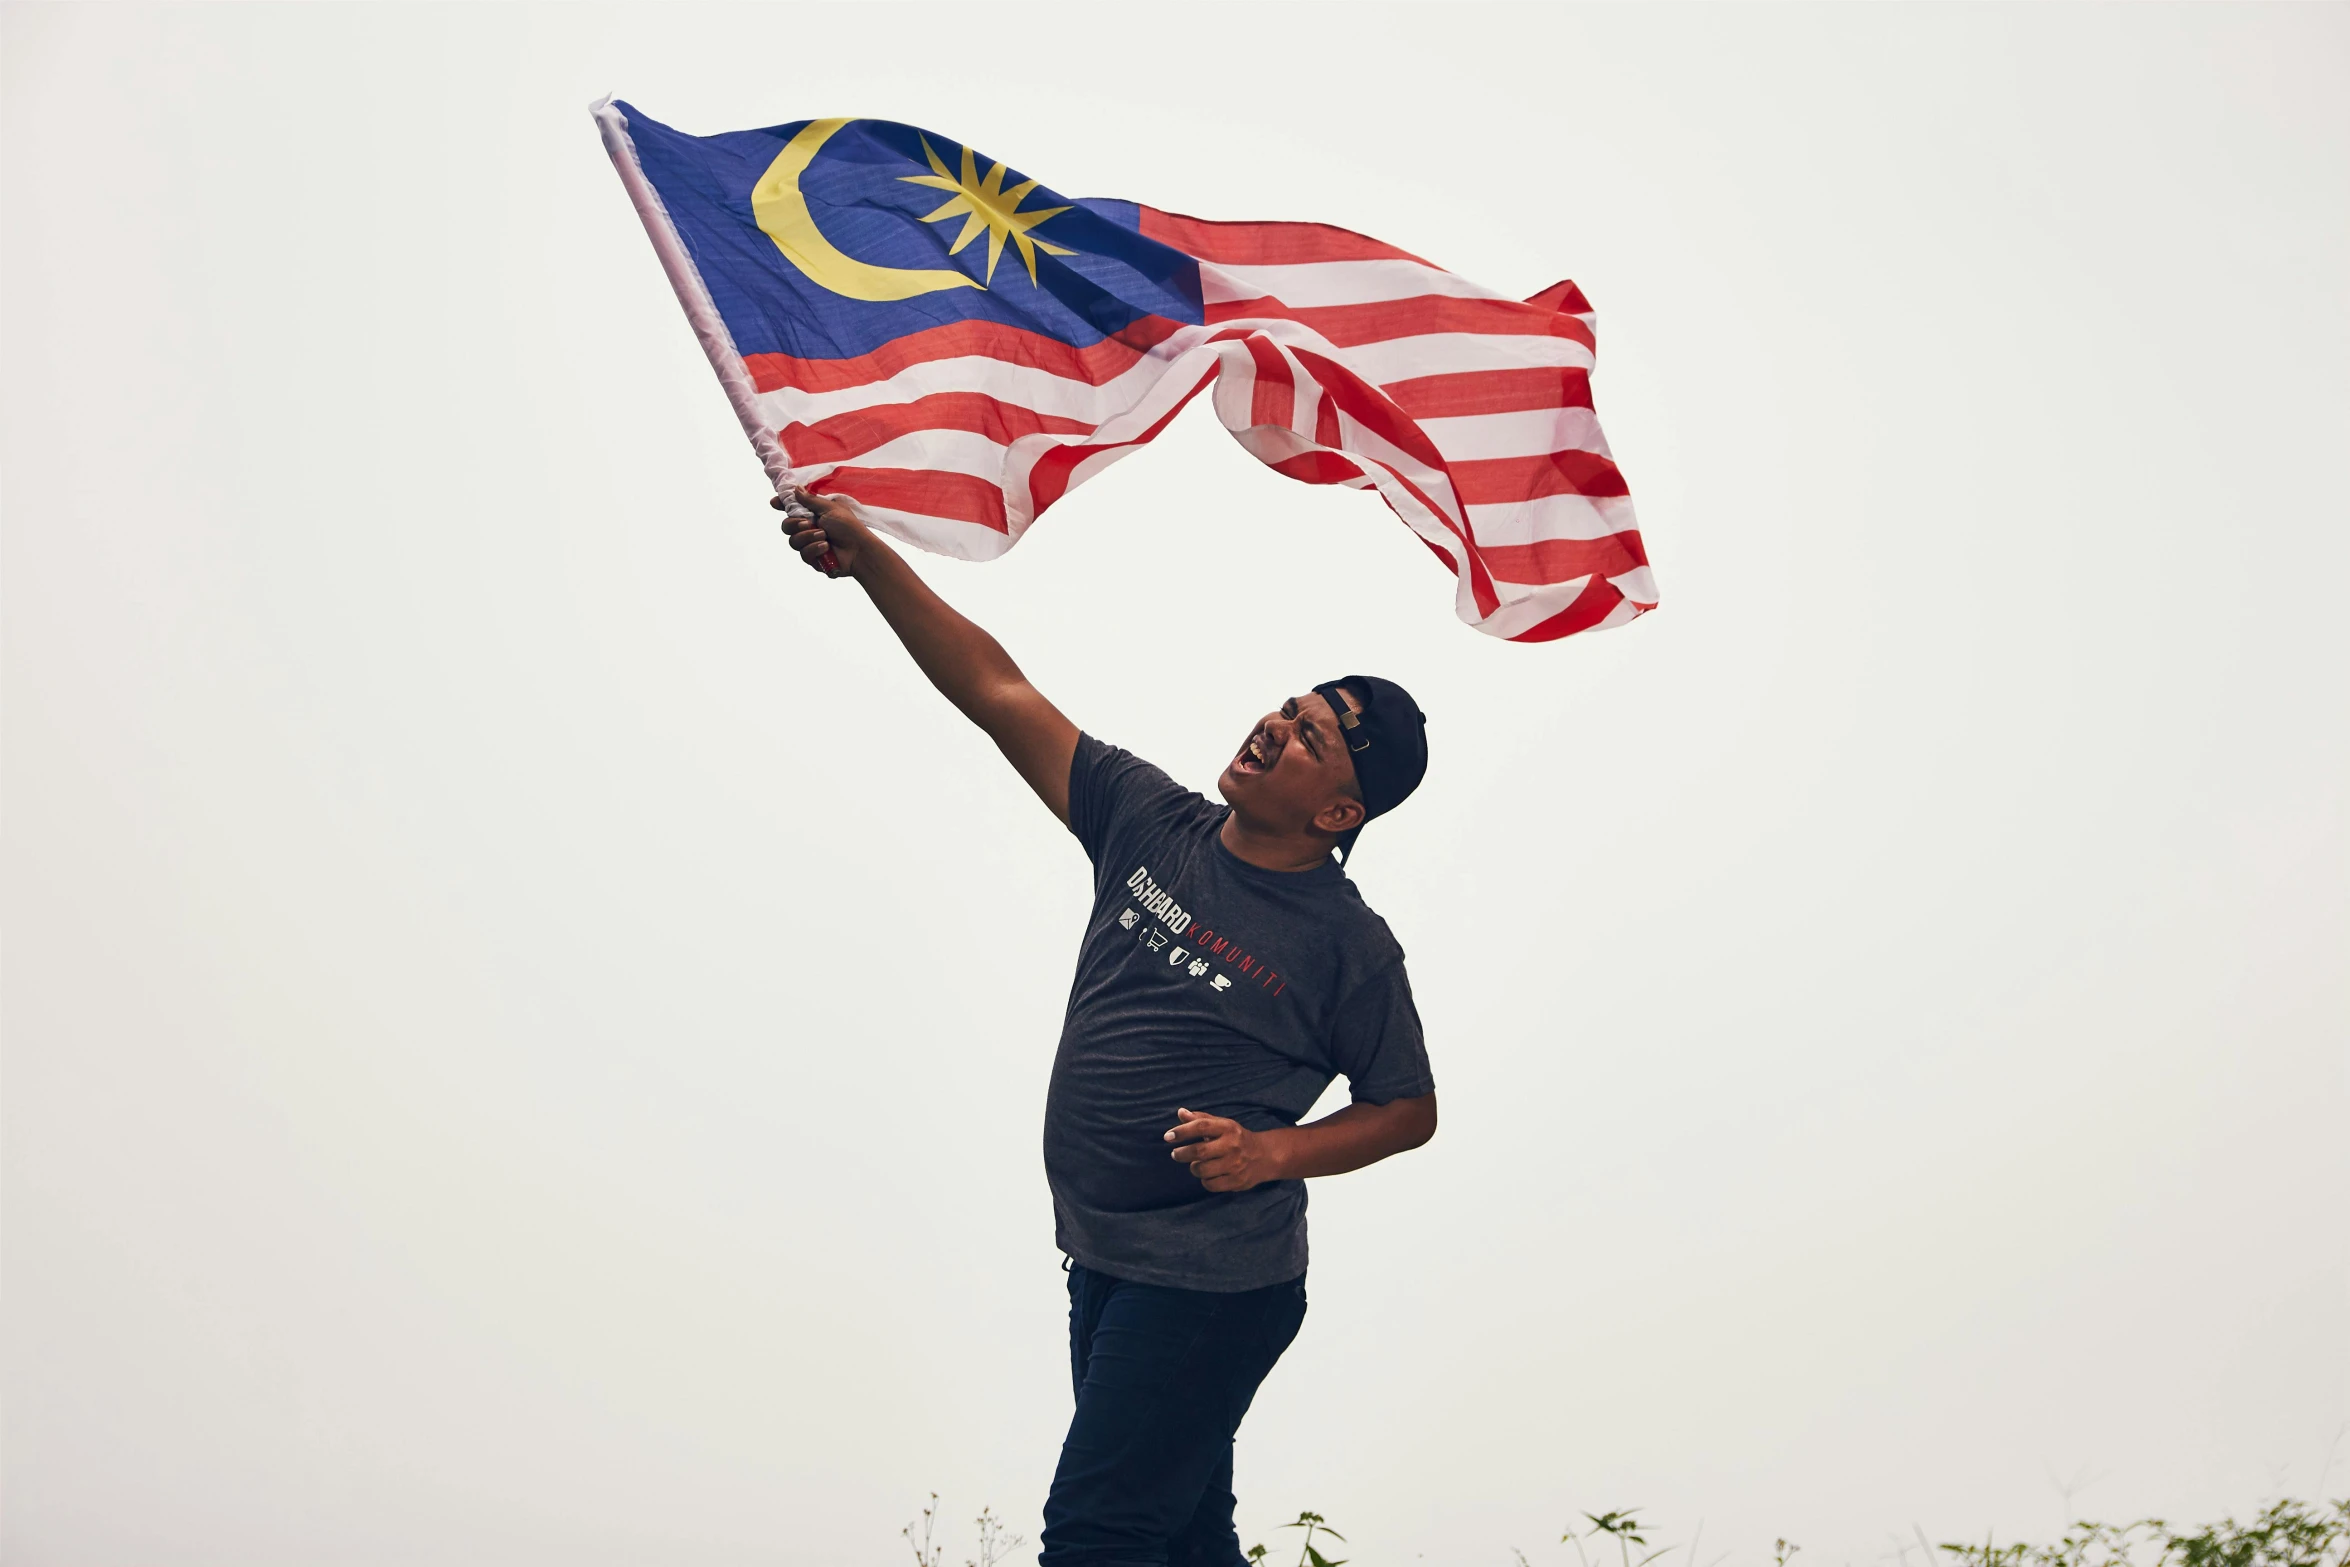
{"x":1294,"y":767}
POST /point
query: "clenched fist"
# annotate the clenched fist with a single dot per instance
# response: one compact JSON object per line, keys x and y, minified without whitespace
{"x":1224,"y":1155}
{"x":835,"y":527}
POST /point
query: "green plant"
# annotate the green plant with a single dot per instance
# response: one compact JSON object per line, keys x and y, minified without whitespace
{"x":2284,"y":1534}
{"x":2288,"y":1534}
{"x":1311,"y":1523}
{"x":1622,"y":1527}
{"x":1626,"y":1527}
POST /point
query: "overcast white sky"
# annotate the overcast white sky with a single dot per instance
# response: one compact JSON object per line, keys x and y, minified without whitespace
{"x":526,"y":1023}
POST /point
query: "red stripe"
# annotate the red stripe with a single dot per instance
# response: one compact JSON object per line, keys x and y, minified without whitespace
{"x":1275,"y":399}
{"x":1320,"y":468}
{"x":1265,"y":244}
{"x":1048,"y":481}
{"x":1563,"y":560}
{"x":847,"y":435}
{"x":1103,"y":361}
{"x":1564,"y":297}
{"x":1480,"y":580}
{"x":1591,"y":606}
{"x":1326,"y":423}
{"x":1491,"y":392}
{"x":1369,"y":408}
{"x":924,"y":492}
{"x":1274,"y":404}
{"x":1349,"y":326}
{"x":1484,"y":480}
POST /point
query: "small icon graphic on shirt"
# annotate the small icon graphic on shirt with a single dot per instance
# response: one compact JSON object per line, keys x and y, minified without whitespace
{"x":1156,"y":938}
{"x":1220,"y":983}
{"x":1127,"y":919}
{"x":1199,"y":966}
{"x":1177,"y":956}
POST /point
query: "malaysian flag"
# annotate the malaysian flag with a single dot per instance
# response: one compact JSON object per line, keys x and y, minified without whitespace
{"x":902,"y":321}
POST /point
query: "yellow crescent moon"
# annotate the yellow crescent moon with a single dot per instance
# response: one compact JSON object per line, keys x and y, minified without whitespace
{"x":783,"y":213}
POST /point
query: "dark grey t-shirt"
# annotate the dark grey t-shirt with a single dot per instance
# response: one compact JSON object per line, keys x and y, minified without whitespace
{"x":1209,"y":983}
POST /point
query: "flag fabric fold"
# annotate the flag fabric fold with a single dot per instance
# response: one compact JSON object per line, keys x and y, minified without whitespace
{"x":955,"y":347}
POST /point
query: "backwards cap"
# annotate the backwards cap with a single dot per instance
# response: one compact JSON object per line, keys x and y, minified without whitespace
{"x":1387,"y":741}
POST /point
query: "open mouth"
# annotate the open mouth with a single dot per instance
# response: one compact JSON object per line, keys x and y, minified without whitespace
{"x":1258,"y":756}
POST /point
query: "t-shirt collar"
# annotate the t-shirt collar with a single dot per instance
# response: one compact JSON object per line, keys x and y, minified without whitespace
{"x":1328,"y":871}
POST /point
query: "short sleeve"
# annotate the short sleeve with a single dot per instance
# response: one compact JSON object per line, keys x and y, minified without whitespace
{"x":1376,"y":1042}
{"x":1115,"y":795}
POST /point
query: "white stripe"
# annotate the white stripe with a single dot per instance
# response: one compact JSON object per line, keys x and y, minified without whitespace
{"x":1366,"y":442}
{"x":1522,"y":606}
{"x":1393,"y":359}
{"x":1532,"y":432}
{"x":1637,"y":585}
{"x":1454,"y":353}
{"x":980,"y":457}
{"x":1464,"y":439}
{"x":933,"y":451}
{"x":1236,"y":385}
{"x":1525,"y":611}
{"x":995,"y":462}
{"x":1335,"y":283}
{"x":1096,"y":462}
{"x":1271,"y":444}
{"x":1551,"y":517}
{"x":1499,"y":522}
{"x":1022,"y":385}
{"x":1176,"y":382}
{"x":946,"y":536}
{"x":1511,"y":586}
{"x":1428,"y":353}
{"x":1431,"y":527}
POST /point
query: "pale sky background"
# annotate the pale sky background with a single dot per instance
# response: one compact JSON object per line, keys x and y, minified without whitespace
{"x":526,"y":1022}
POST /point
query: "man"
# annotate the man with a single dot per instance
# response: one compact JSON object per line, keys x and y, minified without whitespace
{"x":1229,"y":972}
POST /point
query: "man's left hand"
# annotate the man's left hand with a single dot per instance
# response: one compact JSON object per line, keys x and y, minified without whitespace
{"x":1224,"y":1155}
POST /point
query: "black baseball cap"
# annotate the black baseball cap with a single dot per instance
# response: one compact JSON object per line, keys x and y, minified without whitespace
{"x":1387,"y":739}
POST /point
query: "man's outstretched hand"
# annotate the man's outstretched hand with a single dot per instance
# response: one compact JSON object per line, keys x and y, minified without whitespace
{"x":835,"y":527}
{"x":1224,"y":1155}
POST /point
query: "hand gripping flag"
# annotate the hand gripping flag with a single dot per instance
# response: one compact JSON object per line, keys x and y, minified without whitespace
{"x":873,"y":347}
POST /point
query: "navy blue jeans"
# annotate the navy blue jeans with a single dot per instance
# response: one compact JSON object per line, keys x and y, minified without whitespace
{"x":1163,"y":1377}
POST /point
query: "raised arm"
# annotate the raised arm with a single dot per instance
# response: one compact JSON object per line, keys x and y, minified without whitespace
{"x":969,"y":667}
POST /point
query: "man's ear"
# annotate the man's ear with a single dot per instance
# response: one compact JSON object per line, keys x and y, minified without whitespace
{"x":1339,"y":815}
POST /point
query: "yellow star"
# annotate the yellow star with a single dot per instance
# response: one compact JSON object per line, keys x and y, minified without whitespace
{"x":986,"y":207}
